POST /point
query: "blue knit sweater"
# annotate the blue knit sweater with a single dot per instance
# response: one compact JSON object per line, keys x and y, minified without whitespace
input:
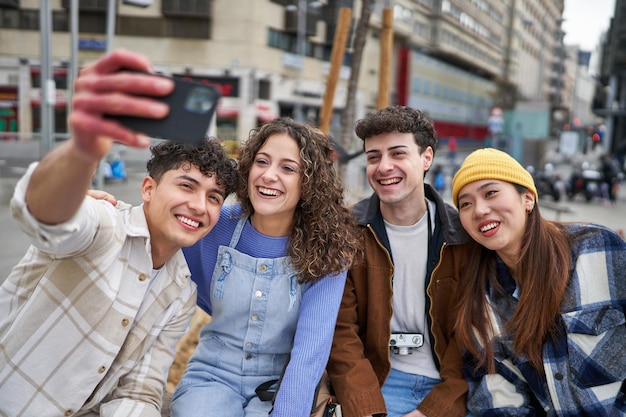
{"x":316,"y":320}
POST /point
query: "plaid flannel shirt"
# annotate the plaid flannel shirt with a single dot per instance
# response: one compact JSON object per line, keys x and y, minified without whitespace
{"x":585,"y":368}
{"x":84,"y":329}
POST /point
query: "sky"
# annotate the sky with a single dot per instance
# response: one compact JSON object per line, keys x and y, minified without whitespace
{"x":585,"y":21}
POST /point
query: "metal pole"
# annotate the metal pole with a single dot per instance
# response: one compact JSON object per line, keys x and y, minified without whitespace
{"x":610,"y":119}
{"x":47,"y":99}
{"x":111,"y":12}
{"x":300,"y":45}
{"x":73,"y":52}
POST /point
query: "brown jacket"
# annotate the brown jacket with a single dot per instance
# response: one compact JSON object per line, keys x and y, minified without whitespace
{"x":359,"y":359}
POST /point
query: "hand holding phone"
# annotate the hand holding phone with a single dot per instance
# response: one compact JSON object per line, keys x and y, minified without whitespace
{"x":192,"y":106}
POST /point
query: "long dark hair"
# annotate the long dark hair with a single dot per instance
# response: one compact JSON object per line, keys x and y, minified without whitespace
{"x":542,"y":275}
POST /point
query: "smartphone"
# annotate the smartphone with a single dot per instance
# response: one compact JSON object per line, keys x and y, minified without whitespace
{"x":192,"y":106}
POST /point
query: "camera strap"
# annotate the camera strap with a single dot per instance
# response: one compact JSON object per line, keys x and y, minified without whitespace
{"x":267,"y":391}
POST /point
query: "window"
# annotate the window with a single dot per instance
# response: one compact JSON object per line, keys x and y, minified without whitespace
{"x":186,"y":8}
{"x":29,"y":20}
{"x":140,"y":26}
{"x":92,"y":22}
{"x":281,"y":40}
{"x":59,"y":75}
{"x":179,"y":27}
{"x":264,"y":89}
{"x":9,"y":19}
{"x":175,"y":27}
{"x":89,"y":5}
{"x":288,"y":42}
{"x":60,"y":22}
{"x":60,"y":119}
{"x":10,"y":3}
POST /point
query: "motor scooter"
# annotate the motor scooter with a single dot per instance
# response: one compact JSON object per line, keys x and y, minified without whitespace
{"x":586,"y":181}
{"x":547,"y":182}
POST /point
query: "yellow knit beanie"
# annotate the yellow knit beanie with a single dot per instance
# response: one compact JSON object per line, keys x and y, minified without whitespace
{"x":489,"y":163}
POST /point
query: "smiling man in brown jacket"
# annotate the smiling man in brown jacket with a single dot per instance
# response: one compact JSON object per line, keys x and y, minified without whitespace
{"x":393,"y":352}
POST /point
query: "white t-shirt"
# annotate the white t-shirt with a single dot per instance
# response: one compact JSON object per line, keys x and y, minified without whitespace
{"x":409,"y":248}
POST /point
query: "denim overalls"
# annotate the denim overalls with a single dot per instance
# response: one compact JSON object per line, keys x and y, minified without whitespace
{"x":255,"y":304}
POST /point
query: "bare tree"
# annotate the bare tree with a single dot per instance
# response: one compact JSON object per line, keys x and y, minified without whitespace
{"x":358,"y":44}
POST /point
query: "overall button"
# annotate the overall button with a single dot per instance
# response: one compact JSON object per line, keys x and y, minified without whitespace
{"x":125,"y":322}
{"x":143,"y":277}
{"x":248,"y":356}
{"x":101,"y":369}
{"x":254,"y":317}
{"x":248,"y":345}
{"x":258,"y":293}
{"x":263,"y":268}
{"x":69,"y":412}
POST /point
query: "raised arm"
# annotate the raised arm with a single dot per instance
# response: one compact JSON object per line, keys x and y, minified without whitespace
{"x":59,"y":183}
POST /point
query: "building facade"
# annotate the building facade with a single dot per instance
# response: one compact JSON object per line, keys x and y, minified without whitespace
{"x":610,"y":96}
{"x":247,"y":49}
{"x":455,"y":59}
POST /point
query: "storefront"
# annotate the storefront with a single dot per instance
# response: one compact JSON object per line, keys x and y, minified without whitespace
{"x":9,"y":122}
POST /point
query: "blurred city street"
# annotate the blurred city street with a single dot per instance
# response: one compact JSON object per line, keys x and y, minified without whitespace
{"x":13,"y":243}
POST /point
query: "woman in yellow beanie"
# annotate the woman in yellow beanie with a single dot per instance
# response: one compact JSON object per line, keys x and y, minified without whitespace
{"x":541,"y":310}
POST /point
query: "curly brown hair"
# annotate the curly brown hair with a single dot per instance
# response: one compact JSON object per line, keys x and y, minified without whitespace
{"x":209,"y":157}
{"x":324,"y":237}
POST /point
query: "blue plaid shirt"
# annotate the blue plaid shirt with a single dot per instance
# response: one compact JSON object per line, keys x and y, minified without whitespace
{"x":585,"y":368}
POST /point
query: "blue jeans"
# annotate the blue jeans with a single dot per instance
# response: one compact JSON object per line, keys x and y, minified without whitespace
{"x":404,"y":392}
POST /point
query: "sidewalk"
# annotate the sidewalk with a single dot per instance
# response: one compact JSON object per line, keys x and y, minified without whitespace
{"x":13,"y":242}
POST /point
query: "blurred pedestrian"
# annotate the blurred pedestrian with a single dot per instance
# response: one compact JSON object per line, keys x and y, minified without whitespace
{"x":452,"y":145}
{"x":439,"y":178}
{"x":610,"y":173}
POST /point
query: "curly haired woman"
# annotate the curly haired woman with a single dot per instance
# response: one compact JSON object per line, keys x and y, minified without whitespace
{"x":271,"y":275}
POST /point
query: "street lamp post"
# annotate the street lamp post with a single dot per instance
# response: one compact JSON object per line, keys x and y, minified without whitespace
{"x":110,"y":34}
{"x":111,"y":13}
{"x":73,"y":72}
{"x":47,"y":86}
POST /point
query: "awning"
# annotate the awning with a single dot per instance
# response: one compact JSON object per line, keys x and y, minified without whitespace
{"x":266,"y":111}
{"x":265,"y":117}
{"x":227,"y":112}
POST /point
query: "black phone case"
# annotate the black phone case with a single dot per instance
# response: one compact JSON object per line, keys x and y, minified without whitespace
{"x":192,"y":106}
